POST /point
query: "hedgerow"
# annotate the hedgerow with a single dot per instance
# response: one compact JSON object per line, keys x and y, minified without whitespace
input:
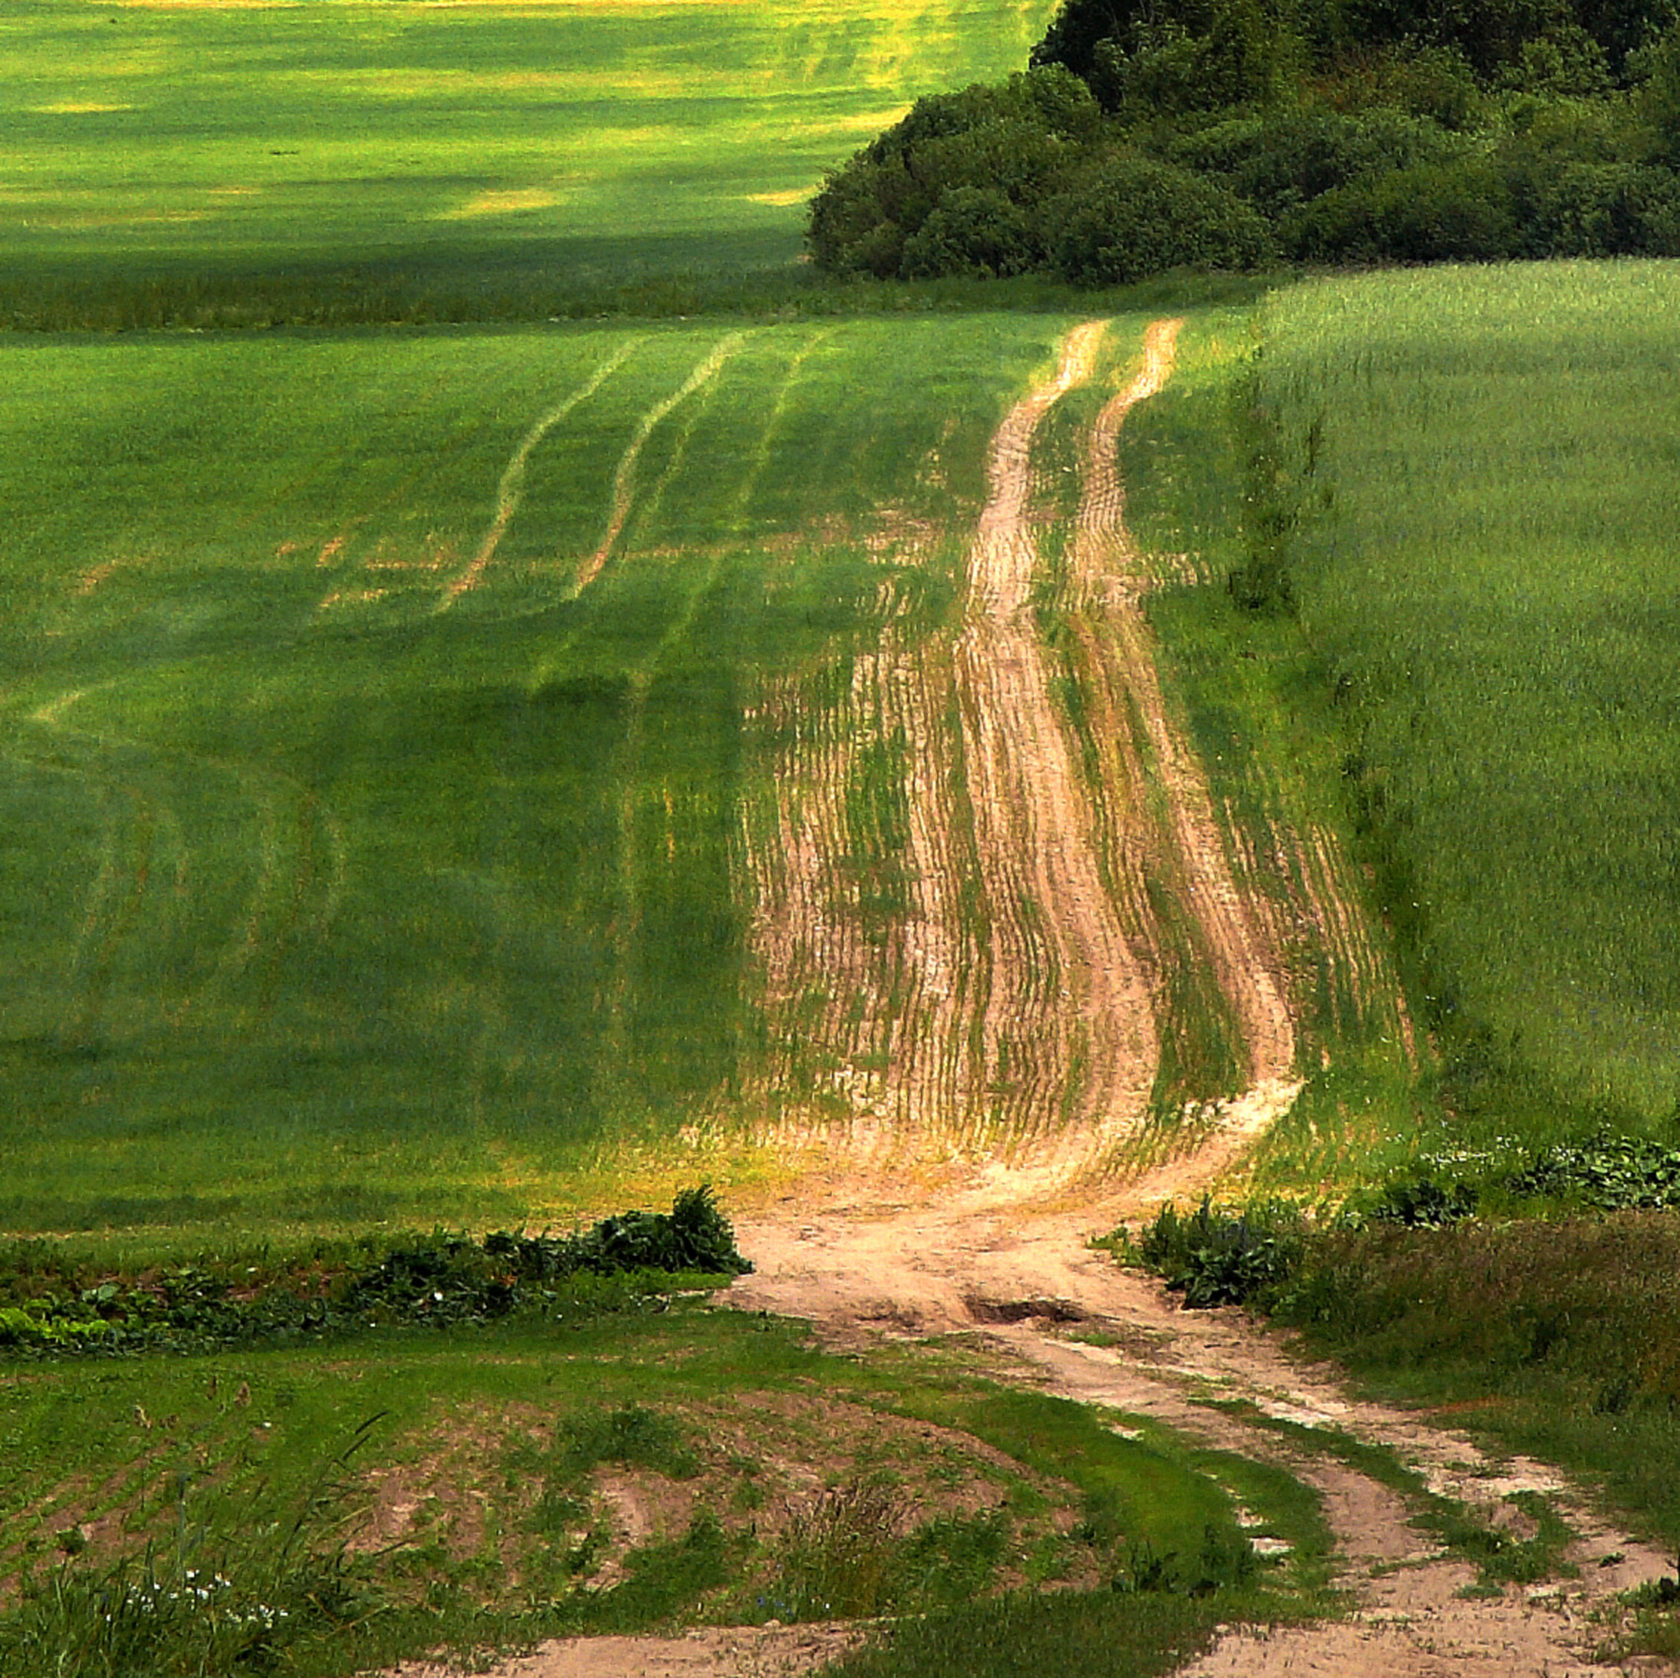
{"x":54,"y":1307}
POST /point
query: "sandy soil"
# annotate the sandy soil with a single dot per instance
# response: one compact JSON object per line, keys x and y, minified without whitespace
{"x":735,"y":1652}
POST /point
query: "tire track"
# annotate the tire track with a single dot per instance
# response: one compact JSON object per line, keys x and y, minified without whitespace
{"x":1069,"y":1028}
{"x":1004,"y":1011}
{"x":624,"y":479}
{"x":295,"y":890}
{"x":512,"y":486}
{"x":1108,"y":578}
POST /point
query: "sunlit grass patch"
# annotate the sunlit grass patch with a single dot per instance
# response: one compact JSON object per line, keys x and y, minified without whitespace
{"x":379,"y":134}
{"x":380,"y":880}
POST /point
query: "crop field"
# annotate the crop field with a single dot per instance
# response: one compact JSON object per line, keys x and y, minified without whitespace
{"x":377,"y":743}
{"x":282,"y":155}
{"x":1485,"y":564}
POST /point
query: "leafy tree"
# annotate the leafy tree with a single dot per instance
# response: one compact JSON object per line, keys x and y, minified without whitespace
{"x":1153,"y":134}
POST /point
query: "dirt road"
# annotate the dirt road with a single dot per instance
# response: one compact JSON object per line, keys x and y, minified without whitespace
{"x":998,"y":1246}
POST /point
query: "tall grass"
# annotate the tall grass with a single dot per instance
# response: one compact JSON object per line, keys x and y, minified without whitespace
{"x":1489,"y":581}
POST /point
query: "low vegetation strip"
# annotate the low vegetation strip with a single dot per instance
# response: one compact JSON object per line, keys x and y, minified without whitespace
{"x":57,"y":1305}
{"x":1550,"y":1333}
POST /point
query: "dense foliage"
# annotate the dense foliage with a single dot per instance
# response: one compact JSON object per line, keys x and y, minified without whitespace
{"x":1558,"y":1334}
{"x":51,"y":1306}
{"x":1230,"y":133}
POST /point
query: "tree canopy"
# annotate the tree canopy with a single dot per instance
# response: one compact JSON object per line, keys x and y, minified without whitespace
{"x":1154,"y":134}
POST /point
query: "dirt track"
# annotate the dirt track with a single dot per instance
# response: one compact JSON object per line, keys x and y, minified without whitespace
{"x":999,"y":1247}
{"x":1005,"y":1252}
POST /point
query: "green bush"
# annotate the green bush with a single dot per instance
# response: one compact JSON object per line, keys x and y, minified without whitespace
{"x":1453,"y":212}
{"x":1224,"y":133}
{"x":1605,"y":209}
{"x":1137,"y":217}
{"x":1216,"y":1259}
{"x":978,"y":163}
{"x":973,"y":230}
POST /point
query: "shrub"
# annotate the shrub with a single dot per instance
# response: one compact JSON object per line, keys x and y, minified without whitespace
{"x":1421,"y":1203}
{"x":1300,"y":157}
{"x":1219,"y":1259}
{"x":1605,"y":209}
{"x":961,"y":157}
{"x":1138,"y":217}
{"x":417,"y":1279}
{"x":1454,"y":212}
{"x":973,"y":230}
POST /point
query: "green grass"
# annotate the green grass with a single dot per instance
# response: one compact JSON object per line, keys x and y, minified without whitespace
{"x":1491,"y":589}
{"x":206,"y":164}
{"x":1085,"y":1636}
{"x":476,"y":1508}
{"x":337,"y":894}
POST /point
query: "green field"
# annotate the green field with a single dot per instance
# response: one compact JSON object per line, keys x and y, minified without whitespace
{"x":1485,"y":566}
{"x":279,"y":160}
{"x":360,"y":845}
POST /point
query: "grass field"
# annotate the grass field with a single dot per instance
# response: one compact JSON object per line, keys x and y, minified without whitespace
{"x":1485,"y":567}
{"x":240,"y":163}
{"x":377,"y":742}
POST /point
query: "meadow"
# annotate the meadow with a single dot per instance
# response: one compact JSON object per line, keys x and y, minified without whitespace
{"x":204,"y":164}
{"x":378,"y":741}
{"x":1478,"y":468}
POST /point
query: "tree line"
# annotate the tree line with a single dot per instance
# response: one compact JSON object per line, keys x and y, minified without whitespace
{"x":1147,"y":135}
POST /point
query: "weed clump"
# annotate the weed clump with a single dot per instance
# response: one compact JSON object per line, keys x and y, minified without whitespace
{"x":1214,"y":1259}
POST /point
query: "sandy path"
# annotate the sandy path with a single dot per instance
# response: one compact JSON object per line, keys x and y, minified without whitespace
{"x":979,"y":1264}
{"x":1108,"y":579}
{"x":1069,"y":1027}
{"x":733,"y":1652}
{"x":1006,"y":1012}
